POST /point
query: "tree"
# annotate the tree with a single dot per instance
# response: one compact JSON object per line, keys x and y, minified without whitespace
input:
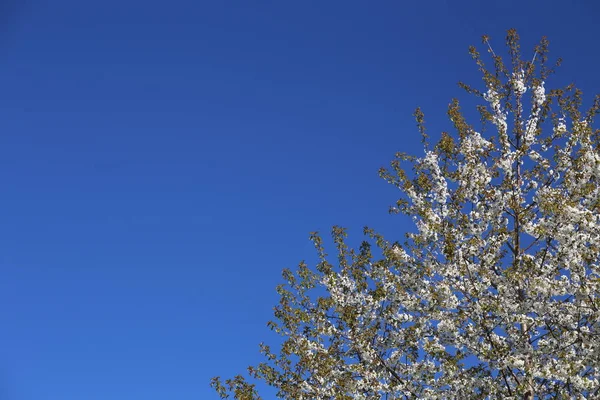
{"x":495,"y":295}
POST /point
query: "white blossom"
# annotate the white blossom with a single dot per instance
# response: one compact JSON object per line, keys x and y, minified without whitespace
{"x":519,"y":83}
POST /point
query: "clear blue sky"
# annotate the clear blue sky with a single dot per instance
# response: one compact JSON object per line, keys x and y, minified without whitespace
{"x":161,"y":162}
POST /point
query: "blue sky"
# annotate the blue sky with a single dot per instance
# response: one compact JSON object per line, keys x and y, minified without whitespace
{"x":161,"y":162}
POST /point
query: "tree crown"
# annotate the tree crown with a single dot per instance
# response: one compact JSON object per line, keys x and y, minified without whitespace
{"x":496,"y":293}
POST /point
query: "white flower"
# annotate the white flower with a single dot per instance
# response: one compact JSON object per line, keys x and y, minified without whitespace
{"x":400,"y":253}
{"x":539,"y":95}
{"x":561,"y":127}
{"x":519,"y":83}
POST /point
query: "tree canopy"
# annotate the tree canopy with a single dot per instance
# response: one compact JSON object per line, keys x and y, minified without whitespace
{"x":496,"y":293}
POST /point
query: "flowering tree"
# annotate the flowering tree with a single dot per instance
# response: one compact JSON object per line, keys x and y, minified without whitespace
{"x":495,"y":295}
